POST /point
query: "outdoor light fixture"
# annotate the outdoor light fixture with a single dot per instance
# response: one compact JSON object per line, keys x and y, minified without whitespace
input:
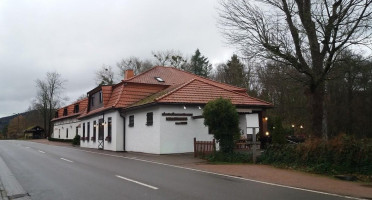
{"x":199,"y":107}
{"x":267,"y":133}
{"x":266,"y":118}
{"x":293,"y":125}
{"x":184,"y":107}
{"x":301,"y":126}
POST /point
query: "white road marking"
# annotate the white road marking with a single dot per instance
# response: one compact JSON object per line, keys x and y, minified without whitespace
{"x":235,"y":177}
{"x":67,"y":160}
{"x":207,"y":172}
{"x":139,"y":183}
{"x":27,"y":147}
{"x":41,"y":151}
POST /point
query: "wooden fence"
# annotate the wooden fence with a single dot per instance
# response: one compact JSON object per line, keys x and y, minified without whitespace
{"x":202,"y":148}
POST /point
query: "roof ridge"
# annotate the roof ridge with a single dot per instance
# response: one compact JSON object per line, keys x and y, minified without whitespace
{"x":140,"y":74}
{"x":175,"y":89}
{"x":208,"y":78}
{"x":238,"y":93}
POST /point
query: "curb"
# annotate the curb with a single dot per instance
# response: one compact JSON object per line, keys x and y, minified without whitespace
{"x":10,"y":187}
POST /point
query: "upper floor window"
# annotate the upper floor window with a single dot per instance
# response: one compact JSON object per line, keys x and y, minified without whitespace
{"x":65,"y":112}
{"x":76,"y":108}
{"x":56,"y":114}
{"x":149,"y":117}
{"x":131,"y":121}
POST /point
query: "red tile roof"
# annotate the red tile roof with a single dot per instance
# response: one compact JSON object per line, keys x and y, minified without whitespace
{"x":83,"y":104}
{"x":200,"y":92}
{"x":178,"y":87}
{"x":174,"y":76}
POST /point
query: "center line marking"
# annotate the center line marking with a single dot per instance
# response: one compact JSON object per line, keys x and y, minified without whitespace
{"x":41,"y":151}
{"x":67,"y":160}
{"x":143,"y":184}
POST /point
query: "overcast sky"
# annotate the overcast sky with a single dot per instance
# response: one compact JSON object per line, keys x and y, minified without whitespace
{"x":76,"y":37}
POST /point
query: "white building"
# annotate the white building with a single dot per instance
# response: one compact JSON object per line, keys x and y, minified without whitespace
{"x":159,"y":112}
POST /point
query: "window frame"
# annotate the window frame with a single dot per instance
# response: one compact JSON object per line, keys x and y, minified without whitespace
{"x":149,"y":119}
{"x":131,"y":121}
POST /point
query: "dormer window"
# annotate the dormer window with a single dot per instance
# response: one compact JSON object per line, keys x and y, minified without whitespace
{"x":65,"y":112}
{"x":159,"y":79}
{"x":100,"y":97}
{"x":56,"y":114}
{"x":76,"y":108}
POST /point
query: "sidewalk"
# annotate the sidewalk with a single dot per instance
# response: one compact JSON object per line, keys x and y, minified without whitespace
{"x":263,"y":173}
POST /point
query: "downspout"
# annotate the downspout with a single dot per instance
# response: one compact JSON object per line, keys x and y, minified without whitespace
{"x":122,"y":115}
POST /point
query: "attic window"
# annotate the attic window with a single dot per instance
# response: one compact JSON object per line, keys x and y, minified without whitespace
{"x":65,"y":112}
{"x":159,"y":79}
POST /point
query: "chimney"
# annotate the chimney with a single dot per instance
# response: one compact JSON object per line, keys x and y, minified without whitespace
{"x":129,"y":73}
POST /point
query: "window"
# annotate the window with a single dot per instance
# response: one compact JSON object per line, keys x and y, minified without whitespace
{"x":66,"y":133}
{"x":94,"y":128}
{"x":159,"y":79}
{"x":65,"y":112}
{"x":76,"y":108}
{"x":84,"y":130}
{"x":100,"y":97}
{"x":131,"y":121}
{"x":149,"y":117}
{"x":109,"y":127}
{"x":59,"y":133}
{"x":76,"y":131}
{"x":88,"y":130}
{"x":56,"y":114}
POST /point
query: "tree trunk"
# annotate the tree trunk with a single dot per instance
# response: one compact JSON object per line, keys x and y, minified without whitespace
{"x":316,"y":101}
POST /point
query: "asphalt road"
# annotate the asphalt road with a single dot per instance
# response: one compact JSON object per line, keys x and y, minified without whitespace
{"x":53,"y":172}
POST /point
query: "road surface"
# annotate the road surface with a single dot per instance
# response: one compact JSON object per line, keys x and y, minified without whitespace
{"x":54,"y":172}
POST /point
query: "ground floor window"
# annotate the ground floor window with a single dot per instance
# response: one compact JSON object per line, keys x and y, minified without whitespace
{"x":149,"y":117}
{"x":66,"y":133}
{"x":131,"y":121}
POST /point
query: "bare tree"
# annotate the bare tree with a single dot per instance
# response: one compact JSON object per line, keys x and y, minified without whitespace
{"x":134,"y":63}
{"x":105,"y":75}
{"x":170,"y":58}
{"x":49,"y":97}
{"x":302,"y":34}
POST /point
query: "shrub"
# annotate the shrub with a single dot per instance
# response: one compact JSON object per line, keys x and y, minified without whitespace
{"x":221,"y":117}
{"x":59,"y":140}
{"x":76,"y":140}
{"x":343,"y":154}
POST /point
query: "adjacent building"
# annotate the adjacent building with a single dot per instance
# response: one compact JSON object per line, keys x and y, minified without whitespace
{"x":158,"y":111}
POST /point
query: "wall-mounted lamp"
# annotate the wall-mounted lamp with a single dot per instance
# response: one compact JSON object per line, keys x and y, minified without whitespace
{"x":184,"y":107}
{"x":199,"y":108}
{"x":267,"y":133}
{"x":301,"y":126}
{"x":266,"y":118}
{"x":293,"y":125}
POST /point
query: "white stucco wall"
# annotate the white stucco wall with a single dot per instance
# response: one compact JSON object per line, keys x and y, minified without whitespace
{"x":180,"y":138}
{"x":60,"y":128}
{"x":140,"y":137}
{"x":116,"y":143}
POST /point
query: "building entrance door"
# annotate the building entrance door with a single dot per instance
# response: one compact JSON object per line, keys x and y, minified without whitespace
{"x":100,"y":134}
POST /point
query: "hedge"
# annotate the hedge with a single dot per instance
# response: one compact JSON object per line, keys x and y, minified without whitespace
{"x":343,"y":154}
